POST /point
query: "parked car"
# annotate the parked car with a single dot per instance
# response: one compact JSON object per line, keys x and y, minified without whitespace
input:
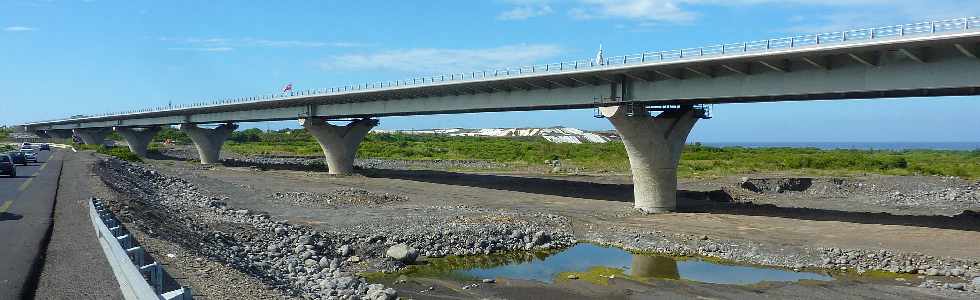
{"x":45,"y":147}
{"x":7,"y":166}
{"x":17,"y":157}
{"x":29,"y":155}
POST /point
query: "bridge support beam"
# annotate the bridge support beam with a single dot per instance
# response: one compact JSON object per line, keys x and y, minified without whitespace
{"x":138,"y":139}
{"x":339,"y":143}
{"x":59,"y":134}
{"x":208,"y":141}
{"x":92,"y":136}
{"x":654,"y":146}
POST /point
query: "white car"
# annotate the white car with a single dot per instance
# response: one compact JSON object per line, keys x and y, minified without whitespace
{"x":29,"y":154}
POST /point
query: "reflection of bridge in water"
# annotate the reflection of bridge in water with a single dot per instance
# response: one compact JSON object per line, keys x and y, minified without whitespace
{"x":650,"y":266}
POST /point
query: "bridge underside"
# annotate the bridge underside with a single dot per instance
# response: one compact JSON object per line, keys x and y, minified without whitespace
{"x":882,"y":69}
{"x":909,"y":69}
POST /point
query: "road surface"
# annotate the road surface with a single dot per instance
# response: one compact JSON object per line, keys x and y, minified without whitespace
{"x":26,"y":204}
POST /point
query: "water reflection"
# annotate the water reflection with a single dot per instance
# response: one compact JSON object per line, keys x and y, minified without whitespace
{"x":596,"y":264}
{"x":649,"y":266}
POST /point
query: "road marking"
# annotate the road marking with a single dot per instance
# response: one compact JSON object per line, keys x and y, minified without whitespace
{"x":5,"y":206}
{"x":23,"y":186}
{"x":42,"y":167}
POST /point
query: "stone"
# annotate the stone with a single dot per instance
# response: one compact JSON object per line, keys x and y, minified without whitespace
{"x":346,"y":282}
{"x":345,"y":250}
{"x":572,"y":276}
{"x":540,"y":238}
{"x":402,"y":253}
{"x":354,"y":259}
{"x":489,"y":280}
{"x":932,"y":272}
{"x":324,"y":262}
{"x":976,"y":282}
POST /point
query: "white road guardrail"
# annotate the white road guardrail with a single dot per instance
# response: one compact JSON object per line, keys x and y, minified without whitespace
{"x":137,"y":278}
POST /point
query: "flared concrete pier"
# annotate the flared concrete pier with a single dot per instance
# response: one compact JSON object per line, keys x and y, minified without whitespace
{"x":59,"y":133}
{"x":138,"y":138}
{"x":209,"y":141}
{"x":92,"y":136}
{"x":654,"y":146}
{"x":339,"y":143}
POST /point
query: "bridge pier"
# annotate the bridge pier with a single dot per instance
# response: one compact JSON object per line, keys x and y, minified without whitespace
{"x":59,"y":134}
{"x":138,"y":140}
{"x":92,"y":136}
{"x":654,"y":146}
{"x":339,"y":143}
{"x":208,"y":141}
{"x":42,"y":134}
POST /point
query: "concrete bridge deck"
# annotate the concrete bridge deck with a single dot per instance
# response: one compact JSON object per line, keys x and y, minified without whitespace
{"x":915,"y":60}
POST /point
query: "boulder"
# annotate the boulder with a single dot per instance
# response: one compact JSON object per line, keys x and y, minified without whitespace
{"x":344,"y":250}
{"x":402,"y":253}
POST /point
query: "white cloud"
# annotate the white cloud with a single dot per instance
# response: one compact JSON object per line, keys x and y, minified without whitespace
{"x":642,"y":10}
{"x":210,"y":49}
{"x":432,"y":60}
{"x":19,"y":29}
{"x":218,"y":43}
{"x":814,"y":15}
{"x":527,"y":11}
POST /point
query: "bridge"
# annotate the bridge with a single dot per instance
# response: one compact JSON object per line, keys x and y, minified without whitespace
{"x":913,"y":60}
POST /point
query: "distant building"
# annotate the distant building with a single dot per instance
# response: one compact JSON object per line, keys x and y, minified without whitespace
{"x":552,"y":134}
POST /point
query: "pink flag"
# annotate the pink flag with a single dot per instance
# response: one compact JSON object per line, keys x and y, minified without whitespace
{"x":288,"y":87}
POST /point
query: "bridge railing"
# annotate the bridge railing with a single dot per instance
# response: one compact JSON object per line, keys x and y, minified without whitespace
{"x":809,"y":40}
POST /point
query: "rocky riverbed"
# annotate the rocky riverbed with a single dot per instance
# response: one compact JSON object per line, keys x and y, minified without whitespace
{"x":344,"y":197}
{"x":303,"y":262}
{"x":816,"y":223}
{"x":899,"y":194}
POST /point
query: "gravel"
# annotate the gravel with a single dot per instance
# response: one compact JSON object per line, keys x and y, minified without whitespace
{"x":897,"y":193}
{"x":302,"y":262}
{"x":339,"y":198}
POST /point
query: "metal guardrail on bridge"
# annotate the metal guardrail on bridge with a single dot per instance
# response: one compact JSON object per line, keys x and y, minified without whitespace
{"x":840,"y":37}
{"x":137,"y":278}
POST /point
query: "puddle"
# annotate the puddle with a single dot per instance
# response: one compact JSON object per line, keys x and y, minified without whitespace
{"x":597,"y":264}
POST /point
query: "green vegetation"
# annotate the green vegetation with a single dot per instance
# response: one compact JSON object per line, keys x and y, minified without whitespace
{"x":172,"y":134}
{"x":697,"y":160}
{"x":119,"y":152}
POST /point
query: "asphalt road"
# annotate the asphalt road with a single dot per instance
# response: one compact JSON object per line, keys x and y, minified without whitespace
{"x":26,"y":204}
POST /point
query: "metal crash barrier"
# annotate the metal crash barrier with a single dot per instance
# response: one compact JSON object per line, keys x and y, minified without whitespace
{"x":138,"y":277}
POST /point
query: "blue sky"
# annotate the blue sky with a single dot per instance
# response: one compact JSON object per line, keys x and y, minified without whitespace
{"x":61,"y":57}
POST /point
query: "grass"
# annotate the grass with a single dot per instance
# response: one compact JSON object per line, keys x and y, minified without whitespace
{"x":697,"y":160}
{"x":118,"y":152}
